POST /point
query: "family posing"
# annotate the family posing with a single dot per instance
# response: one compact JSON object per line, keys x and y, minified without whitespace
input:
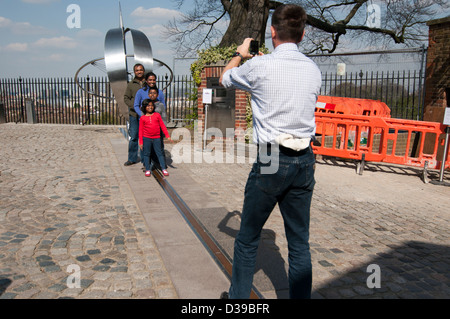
{"x":148,"y":120}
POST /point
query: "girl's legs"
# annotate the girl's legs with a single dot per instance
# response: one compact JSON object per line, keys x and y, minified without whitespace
{"x":156,"y":143}
{"x":154,"y":160}
{"x":146,"y":152}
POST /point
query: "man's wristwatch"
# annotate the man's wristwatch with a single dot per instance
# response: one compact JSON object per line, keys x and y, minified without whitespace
{"x":238,"y":54}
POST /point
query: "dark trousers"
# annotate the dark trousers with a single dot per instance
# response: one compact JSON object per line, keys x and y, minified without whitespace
{"x":133,"y":143}
{"x":291,"y":186}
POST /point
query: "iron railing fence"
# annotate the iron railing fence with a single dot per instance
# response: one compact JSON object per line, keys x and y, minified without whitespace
{"x":180,"y":97}
{"x":395,"y":77}
{"x":62,"y":101}
{"x":401,"y":90}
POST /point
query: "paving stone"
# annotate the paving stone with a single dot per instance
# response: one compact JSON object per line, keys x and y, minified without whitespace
{"x":83,"y":258}
{"x":65,"y":214}
{"x":119,"y":269}
{"x":73,"y":207}
{"x":357,"y":221}
{"x":107,"y":261}
{"x":94,"y":251}
{"x":101,"y":268}
{"x":325,"y":263}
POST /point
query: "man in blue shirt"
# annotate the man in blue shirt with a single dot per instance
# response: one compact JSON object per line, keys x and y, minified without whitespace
{"x":284,"y":87}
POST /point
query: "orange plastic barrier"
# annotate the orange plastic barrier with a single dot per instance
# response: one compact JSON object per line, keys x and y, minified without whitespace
{"x":377,"y":139}
{"x":350,"y":106}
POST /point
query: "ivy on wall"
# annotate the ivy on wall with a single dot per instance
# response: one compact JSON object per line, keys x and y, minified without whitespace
{"x":210,"y":56}
{"x":214,"y":55}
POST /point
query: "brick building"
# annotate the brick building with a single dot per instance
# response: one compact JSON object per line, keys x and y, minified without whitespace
{"x":437,"y":85}
{"x":236,"y":103}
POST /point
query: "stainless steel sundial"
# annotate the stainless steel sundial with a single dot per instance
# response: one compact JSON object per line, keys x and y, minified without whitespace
{"x":114,"y":62}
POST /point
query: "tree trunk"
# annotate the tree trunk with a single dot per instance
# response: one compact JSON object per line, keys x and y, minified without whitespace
{"x":248,"y":19}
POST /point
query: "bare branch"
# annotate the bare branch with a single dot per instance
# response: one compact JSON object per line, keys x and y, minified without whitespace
{"x":332,"y":23}
{"x":226,"y":5}
{"x":353,"y":11}
{"x":392,"y":34}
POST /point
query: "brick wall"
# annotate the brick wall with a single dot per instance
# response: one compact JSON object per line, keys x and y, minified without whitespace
{"x":437,"y":85}
{"x":240,"y":102}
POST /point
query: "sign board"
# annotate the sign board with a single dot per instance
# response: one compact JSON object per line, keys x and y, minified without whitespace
{"x":341,"y":69}
{"x":207,"y":96}
{"x":447,"y":116}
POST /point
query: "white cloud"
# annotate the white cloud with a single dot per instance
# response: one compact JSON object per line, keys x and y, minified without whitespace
{"x":152,"y":15}
{"x":26,"y":28}
{"x":58,"y":42}
{"x":153,"y":30}
{"x":16,"y":47}
{"x":23,"y":28}
{"x":5,"y":22}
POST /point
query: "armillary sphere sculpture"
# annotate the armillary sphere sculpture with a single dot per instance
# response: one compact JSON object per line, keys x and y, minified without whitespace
{"x":115,"y":62}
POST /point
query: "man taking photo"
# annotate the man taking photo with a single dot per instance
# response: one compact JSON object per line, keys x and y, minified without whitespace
{"x":284,"y":86}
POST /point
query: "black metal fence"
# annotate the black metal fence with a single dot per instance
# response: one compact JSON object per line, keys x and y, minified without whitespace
{"x":395,"y":77}
{"x":62,"y":101}
{"x":402,"y":91}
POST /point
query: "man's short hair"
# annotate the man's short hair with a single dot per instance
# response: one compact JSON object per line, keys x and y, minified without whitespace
{"x":289,"y":21}
{"x":136,"y":65}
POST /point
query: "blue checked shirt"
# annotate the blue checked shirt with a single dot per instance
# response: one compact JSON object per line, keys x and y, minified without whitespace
{"x":284,"y":87}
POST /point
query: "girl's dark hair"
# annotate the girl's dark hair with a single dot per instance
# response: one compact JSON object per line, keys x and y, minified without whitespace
{"x":144,"y":105}
{"x":289,"y":21}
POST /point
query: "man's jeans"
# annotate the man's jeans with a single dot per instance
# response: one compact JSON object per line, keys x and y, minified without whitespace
{"x":133,"y":144}
{"x":291,"y":186}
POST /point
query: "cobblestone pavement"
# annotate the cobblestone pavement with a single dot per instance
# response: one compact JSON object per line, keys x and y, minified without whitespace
{"x":66,"y":209}
{"x":386,"y":217}
{"x":64,"y":201}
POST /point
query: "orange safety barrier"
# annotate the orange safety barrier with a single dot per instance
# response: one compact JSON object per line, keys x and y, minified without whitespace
{"x":377,"y":139}
{"x":350,"y":106}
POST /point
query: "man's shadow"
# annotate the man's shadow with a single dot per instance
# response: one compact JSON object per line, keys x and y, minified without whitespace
{"x":268,"y":259}
{"x":4,"y":284}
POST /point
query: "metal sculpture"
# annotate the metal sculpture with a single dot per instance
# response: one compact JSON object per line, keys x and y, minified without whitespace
{"x":115,"y":60}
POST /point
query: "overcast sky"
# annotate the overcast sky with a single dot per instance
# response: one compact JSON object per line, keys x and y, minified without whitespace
{"x":36,"y":40}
